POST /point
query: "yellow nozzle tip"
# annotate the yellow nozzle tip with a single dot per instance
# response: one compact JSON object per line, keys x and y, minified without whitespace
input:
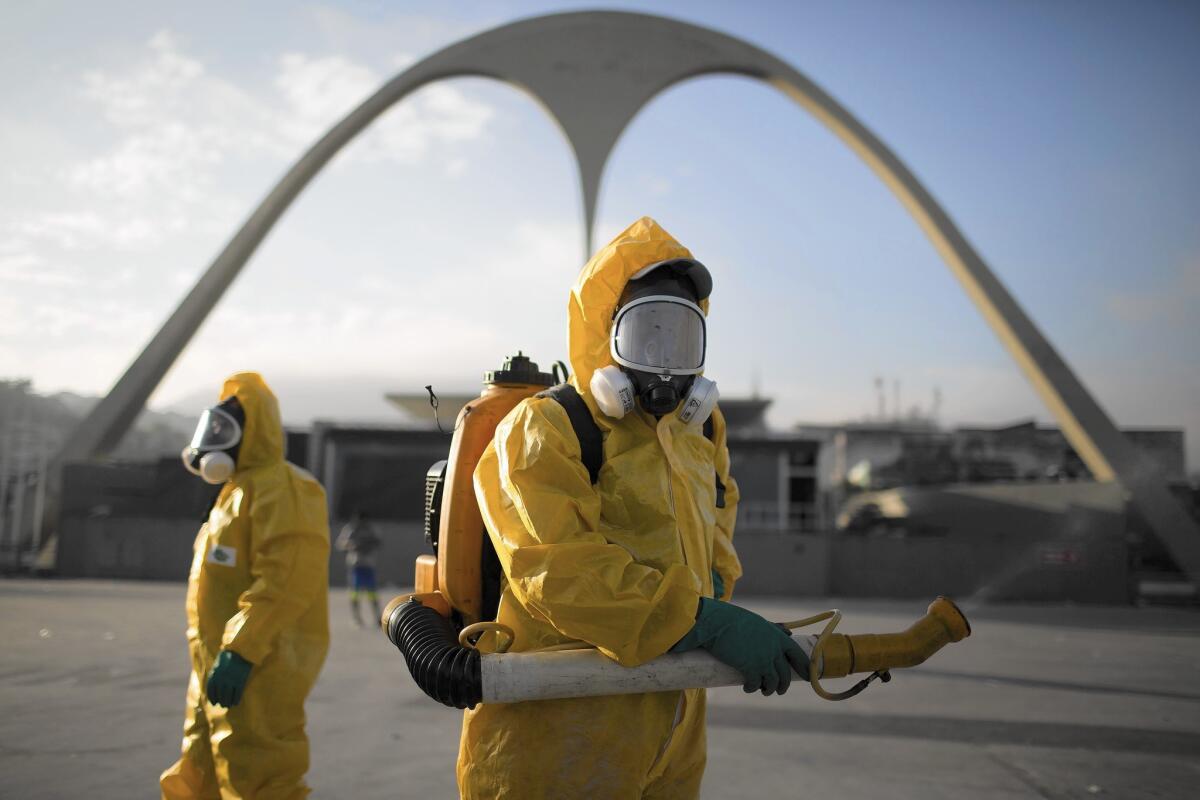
{"x":952,"y":616}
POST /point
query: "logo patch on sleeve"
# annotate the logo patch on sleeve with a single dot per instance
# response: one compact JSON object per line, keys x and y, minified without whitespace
{"x":223,"y":554}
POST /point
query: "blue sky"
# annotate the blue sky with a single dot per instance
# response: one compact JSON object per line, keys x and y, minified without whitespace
{"x":1059,"y":136}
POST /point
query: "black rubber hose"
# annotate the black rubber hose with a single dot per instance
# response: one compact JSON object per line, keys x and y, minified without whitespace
{"x":446,"y":671}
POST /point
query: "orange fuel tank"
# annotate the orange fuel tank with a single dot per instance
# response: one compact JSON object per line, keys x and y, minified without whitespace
{"x":460,"y":551}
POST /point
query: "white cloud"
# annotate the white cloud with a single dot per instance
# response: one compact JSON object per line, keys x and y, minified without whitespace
{"x":56,"y":320}
{"x":319,"y":91}
{"x":21,"y":266}
{"x":161,"y":171}
{"x":178,"y":124}
{"x":447,"y":327}
{"x":169,"y":157}
{"x":174,"y":125}
{"x":88,"y":229}
{"x":140,"y":96}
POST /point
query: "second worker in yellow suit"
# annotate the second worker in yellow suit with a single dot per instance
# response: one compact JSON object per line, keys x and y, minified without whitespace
{"x":627,"y":564}
{"x":258,"y":623}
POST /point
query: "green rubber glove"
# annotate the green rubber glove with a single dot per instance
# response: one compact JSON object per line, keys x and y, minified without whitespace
{"x":755,"y":647}
{"x":227,"y":680}
{"x":718,"y":585}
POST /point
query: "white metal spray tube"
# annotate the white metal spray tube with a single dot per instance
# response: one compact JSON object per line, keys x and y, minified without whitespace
{"x":516,"y":677}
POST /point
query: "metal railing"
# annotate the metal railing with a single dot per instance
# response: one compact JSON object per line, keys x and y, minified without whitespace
{"x":770,"y":516}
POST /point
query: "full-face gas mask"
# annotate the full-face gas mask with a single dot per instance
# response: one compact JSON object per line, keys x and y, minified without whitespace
{"x":658,"y":341}
{"x":213,"y":451}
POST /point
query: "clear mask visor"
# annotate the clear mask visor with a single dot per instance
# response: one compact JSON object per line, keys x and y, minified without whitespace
{"x":661,"y":334}
{"x":217,"y":430}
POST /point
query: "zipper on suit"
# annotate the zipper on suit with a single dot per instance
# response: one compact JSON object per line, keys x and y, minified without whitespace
{"x":679,"y":711}
{"x":671,"y":503}
{"x":681,"y":705}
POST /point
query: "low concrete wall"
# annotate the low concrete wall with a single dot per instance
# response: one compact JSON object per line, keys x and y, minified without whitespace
{"x":1089,"y":566}
{"x":1084,"y":560}
{"x":126,"y":547}
{"x":161,"y":549}
{"x":783,"y":564}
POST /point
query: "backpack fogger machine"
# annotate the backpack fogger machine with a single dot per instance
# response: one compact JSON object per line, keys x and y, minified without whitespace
{"x":457,"y":589}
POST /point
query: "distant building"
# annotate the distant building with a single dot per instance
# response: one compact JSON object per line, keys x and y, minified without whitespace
{"x":1018,"y":489}
{"x":378,"y":470}
{"x":896,"y":509}
{"x":884,"y":455}
{"x":33,"y":429}
{"x":778,"y":472}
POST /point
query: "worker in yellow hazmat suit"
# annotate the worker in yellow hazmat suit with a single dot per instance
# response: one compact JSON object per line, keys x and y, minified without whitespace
{"x":258,"y":624}
{"x":622,"y":564}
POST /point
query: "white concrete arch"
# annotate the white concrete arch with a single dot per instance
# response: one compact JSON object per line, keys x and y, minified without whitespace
{"x":592,"y":72}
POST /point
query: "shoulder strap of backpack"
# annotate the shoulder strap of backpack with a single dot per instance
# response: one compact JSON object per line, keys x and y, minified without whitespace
{"x":591,"y":441}
{"x":710,"y":434}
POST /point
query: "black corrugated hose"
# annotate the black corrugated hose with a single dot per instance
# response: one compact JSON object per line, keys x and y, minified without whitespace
{"x":446,"y":671}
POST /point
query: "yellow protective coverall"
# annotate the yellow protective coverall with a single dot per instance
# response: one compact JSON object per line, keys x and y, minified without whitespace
{"x":620,"y":565}
{"x":258,"y":587}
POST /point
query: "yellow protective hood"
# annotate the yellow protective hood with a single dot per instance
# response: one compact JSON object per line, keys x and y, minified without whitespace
{"x":598,"y":289}
{"x":619,"y":562}
{"x":258,"y":587}
{"x":262,"y":439}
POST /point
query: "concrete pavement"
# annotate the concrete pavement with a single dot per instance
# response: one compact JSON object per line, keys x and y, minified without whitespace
{"x":1053,"y":702}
